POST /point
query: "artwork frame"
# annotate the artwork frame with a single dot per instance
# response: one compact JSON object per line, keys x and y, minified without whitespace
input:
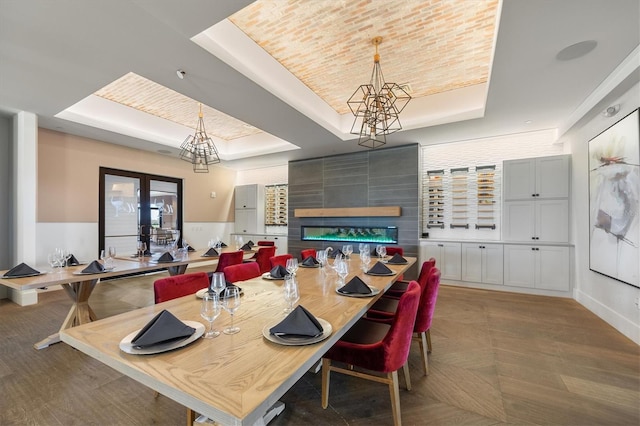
{"x":614,"y":201}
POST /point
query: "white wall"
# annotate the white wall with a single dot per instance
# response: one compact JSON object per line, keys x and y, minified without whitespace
{"x":611,"y":300}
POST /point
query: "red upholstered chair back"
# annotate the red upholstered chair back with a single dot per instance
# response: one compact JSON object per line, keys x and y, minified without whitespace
{"x":307,"y":253}
{"x":396,"y":344}
{"x":241,"y":271}
{"x":262,"y":258}
{"x":229,"y":258}
{"x":280,"y":260}
{"x":424,"y":271}
{"x":179,"y":285}
{"x":264,"y":243}
{"x":393,"y":250}
{"x":428,"y":298}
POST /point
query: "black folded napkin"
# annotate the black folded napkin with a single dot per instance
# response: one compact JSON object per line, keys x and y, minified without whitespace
{"x":163,"y":328}
{"x":166,"y":257}
{"x":336,"y":252}
{"x":211,"y":252}
{"x":355,"y":286}
{"x":251,"y":243}
{"x":21,"y":270}
{"x":379,"y":268}
{"x":246,"y":247}
{"x":223,"y":295}
{"x":310,"y":261}
{"x":278,"y":271}
{"x":222,"y":244}
{"x":299,"y":322}
{"x":189,"y":248}
{"x":94,"y":267}
{"x":397,"y":259}
{"x":72,"y":261}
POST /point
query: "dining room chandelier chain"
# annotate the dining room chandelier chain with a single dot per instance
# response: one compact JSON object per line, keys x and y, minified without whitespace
{"x":377,"y":106}
{"x":199,"y":149}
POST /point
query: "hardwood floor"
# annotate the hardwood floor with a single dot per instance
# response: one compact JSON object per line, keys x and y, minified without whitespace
{"x":498,"y":358}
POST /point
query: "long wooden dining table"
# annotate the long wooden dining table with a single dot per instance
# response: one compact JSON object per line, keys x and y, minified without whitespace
{"x":233,"y":379}
{"x":79,"y":286}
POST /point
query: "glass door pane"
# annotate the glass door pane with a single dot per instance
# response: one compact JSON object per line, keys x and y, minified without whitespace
{"x":121,"y":213}
{"x":163,"y":202}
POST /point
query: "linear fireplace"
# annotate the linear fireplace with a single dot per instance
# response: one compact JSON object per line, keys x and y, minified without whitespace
{"x":356,"y":234}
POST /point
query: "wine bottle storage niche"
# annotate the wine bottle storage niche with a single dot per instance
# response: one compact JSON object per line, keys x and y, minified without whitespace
{"x":276,"y":205}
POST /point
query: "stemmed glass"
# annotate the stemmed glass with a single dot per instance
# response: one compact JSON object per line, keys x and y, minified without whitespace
{"x":291,"y":292}
{"x":142,"y":248}
{"x":365,"y":258}
{"x":342,"y":269}
{"x":231,"y":303}
{"x":239,"y":242}
{"x":218,"y":283}
{"x":292,"y":266}
{"x":54,"y":261}
{"x":382,"y":251}
{"x":210,"y":310}
{"x":105,"y":258}
{"x":321,"y":255}
{"x":347,"y":249}
{"x":112,"y":256}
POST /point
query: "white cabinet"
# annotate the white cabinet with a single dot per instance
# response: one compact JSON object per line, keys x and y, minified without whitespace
{"x":536,"y":194}
{"x":249,"y":211}
{"x":447,"y":256}
{"x":533,"y":266}
{"x":482,"y":263}
{"x":539,"y":220}
{"x":535,"y":178}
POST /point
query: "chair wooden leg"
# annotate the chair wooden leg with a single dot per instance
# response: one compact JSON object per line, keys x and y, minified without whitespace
{"x":429,"y":340}
{"x":326,"y":370}
{"x":191,"y":417}
{"x":394,"y":392}
{"x":156,"y":394}
{"x":424,"y":344}
{"x":407,"y":377}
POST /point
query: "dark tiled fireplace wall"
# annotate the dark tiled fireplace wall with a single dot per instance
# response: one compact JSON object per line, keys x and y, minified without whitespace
{"x":381,"y":177}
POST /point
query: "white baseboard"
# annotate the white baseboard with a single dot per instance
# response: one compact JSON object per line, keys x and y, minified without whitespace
{"x":617,"y":321}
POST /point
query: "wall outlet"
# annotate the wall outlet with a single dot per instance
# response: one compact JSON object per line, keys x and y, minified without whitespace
{"x":637,"y":302}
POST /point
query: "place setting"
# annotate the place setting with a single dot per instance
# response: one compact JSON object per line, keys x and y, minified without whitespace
{"x":309,"y":262}
{"x":22,"y":271}
{"x":357,"y":288}
{"x":396,"y":259}
{"x":379,"y":269}
{"x":218,"y":285}
{"x":278,"y":272}
{"x":95,"y":267}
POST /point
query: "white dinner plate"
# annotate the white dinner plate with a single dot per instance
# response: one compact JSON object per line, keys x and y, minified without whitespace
{"x":200,"y":293}
{"x":390,"y":274}
{"x":305,"y":266}
{"x":127,"y":346}
{"x":23,"y":276}
{"x":374,"y":291}
{"x":267,"y":276}
{"x":297,"y":341}
{"x":91,"y":273}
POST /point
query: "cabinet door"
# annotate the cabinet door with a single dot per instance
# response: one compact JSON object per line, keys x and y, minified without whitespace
{"x":492,"y":263}
{"x":518,"y":222}
{"x":552,"y":177}
{"x":519,"y":179}
{"x":246,"y":221}
{"x":451,"y":261}
{"x":472,"y":262}
{"x":552,"y":220}
{"x":246,"y":196}
{"x":552,"y":268}
{"x":429,"y":250}
{"x":519,"y":266}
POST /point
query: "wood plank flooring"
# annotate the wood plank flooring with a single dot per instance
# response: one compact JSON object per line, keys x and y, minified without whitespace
{"x":498,"y":358}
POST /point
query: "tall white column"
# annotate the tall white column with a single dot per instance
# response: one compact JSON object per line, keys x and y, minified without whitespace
{"x":25,"y":187}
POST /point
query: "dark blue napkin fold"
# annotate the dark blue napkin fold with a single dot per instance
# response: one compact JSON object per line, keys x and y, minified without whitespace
{"x":379,"y":269}
{"x":211,"y":253}
{"x":190,"y":249}
{"x":166,"y":257}
{"x":334,"y":253}
{"x":310,"y":261}
{"x":251,"y":243}
{"x":397,"y":259}
{"x":246,"y":247}
{"x":222,"y":244}
{"x":72,"y":261}
{"x":94,"y":267}
{"x":278,"y":271}
{"x":21,"y":270}
{"x":163,"y":328}
{"x":299,"y":323}
{"x":355,"y":286}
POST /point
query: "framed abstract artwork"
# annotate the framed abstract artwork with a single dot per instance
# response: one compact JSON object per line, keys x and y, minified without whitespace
{"x":614,"y":201}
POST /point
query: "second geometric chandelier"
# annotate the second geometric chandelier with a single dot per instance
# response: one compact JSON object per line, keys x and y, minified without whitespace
{"x":377,"y":106}
{"x":199,"y":149}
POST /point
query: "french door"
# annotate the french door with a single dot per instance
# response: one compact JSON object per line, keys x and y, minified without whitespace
{"x":138,"y":207}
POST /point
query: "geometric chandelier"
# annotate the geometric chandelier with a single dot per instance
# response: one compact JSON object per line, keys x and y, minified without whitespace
{"x":198,"y":149}
{"x":377,"y":106}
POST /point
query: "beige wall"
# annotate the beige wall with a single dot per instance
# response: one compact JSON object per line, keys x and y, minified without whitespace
{"x":68,"y":172}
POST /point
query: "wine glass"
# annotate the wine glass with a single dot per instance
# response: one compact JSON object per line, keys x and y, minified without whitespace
{"x":112,"y":256}
{"x":292,"y":265}
{"x":142,"y":248}
{"x":347,"y":250}
{"x":291,"y":292}
{"x":321,"y":255}
{"x":365,"y":258}
{"x":52,"y":258}
{"x":218,"y":283}
{"x":382,"y":251}
{"x":210,"y":310}
{"x":104,"y":257}
{"x":231,"y":303}
{"x":342,"y":269}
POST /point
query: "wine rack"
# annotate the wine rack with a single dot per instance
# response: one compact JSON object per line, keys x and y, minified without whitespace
{"x":276,"y":205}
{"x":486,"y":193}
{"x":435,"y":201}
{"x":459,"y":198}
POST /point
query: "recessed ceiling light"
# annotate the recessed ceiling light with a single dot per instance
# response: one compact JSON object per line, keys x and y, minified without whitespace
{"x":576,"y":50}
{"x":611,"y":111}
{"x":180,"y":74}
{"x":528,"y":122}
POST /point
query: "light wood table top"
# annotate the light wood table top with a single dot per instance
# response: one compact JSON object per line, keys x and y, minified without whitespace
{"x":232,"y":379}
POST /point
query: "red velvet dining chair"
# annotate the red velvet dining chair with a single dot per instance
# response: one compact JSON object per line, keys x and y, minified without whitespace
{"x":229,"y":258}
{"x":280,"y":260}
{"x":242,"y":272}
{"x":400,"y":286}
{"x":179,"y":285}
{"x":307,"y":253}
{"x":384,"y":309}
{"x":262,"y":257}
{"x":378,"y":347}
{"x":265,"y":243}
{"x":391,"y":250}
